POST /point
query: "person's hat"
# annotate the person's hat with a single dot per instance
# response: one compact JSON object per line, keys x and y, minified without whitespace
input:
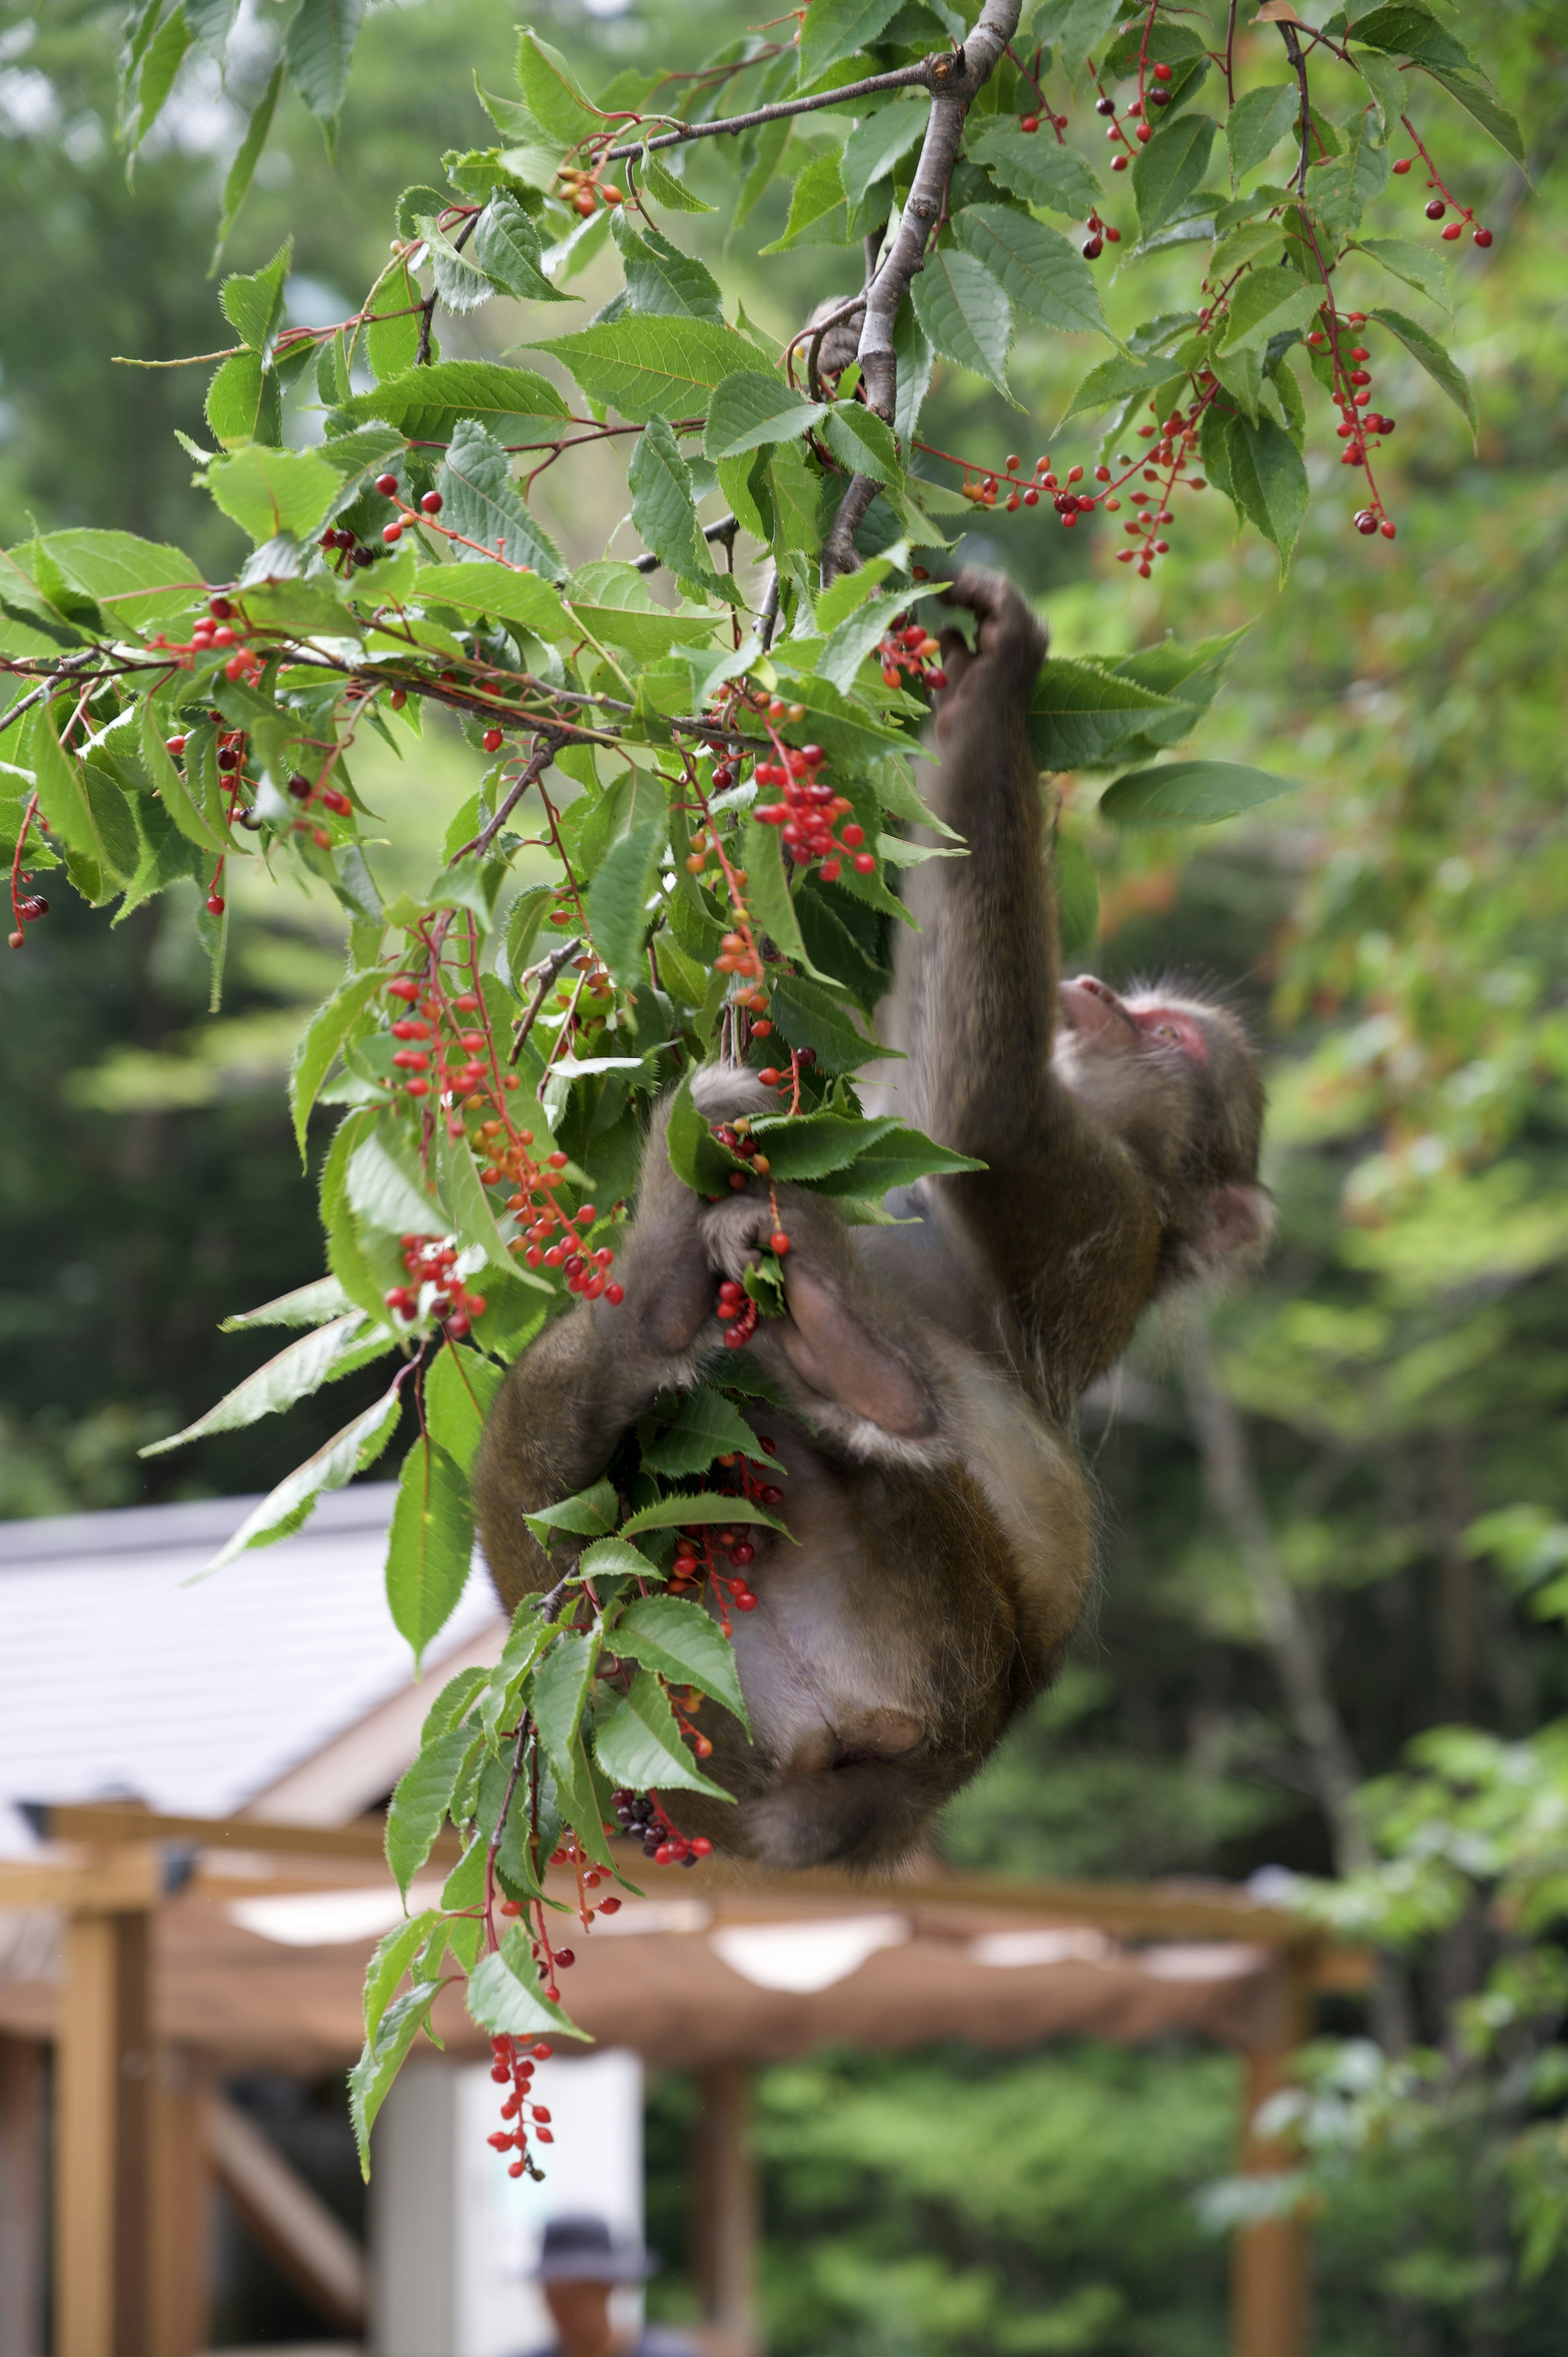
{"x":581,"y":2249}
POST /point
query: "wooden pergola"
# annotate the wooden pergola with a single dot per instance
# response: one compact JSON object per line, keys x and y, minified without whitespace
{"x":163,"y":1992}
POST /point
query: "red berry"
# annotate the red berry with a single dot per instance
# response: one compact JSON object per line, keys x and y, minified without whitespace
{"x":1366,"y":520}
{"x":391,"y":533}
{"x":386,"y":485}
{"x":493,"y":740}
{"x":215,"y":904}
{"x":779,"y":1242}
{"x":1386,"y":528}
{"x":1093,"y":247}
{"x":175,"y":744}
{"x":1162,"y":73}
{"x":1454,"y":230}
{"x":1105,"y":106}
{"x":1030,"y":123}
{"x":432,"y":502}
{"x":1437,"y":209}
{"x":1403,"y":164}
{"x":615,"y":1295}
{"x":1483,"y":237}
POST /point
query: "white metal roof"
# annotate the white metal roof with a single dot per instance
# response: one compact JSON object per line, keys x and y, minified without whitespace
{"x":115,"y":1677}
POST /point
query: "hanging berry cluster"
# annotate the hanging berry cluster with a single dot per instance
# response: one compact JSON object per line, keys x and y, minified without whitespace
{"x":640,"y":1815}
{"x":512,"y":2066}
{"x":436,"y":1289}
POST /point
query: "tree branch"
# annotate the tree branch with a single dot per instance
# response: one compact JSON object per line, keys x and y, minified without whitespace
{"x":953,"y":83}
{"x":928,"y":74}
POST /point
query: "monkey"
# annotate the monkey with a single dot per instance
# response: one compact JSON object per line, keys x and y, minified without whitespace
{"x":940,"y":1527}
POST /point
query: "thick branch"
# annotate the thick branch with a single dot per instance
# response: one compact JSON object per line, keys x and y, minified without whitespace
{"x":952,"y":91}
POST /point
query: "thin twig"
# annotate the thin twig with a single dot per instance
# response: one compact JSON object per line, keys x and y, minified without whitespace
{"x":928,"y":74}
{"x":539,"y":761}
{"x":547,"y":973}
{"x":725,"y":530}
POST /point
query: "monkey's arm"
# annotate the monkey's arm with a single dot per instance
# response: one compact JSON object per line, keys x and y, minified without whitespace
{"x":1059,"y":1220}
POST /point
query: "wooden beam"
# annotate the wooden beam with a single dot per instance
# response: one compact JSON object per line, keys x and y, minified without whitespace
{"x":111,"y":1822}
{"x":22,"y":2150}
{"x":103,"y":2173}
{"x":1270,"y":2290}
{"x":119,"y":1882}
{"x":288,"y":2217}
{"x":726,"y":2221}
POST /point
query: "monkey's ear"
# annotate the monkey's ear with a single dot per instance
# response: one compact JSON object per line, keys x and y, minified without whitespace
{"x":830,"y":1348}
{"x":1238,"y":1226}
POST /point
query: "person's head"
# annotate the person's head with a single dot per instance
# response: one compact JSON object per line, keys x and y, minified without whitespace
{"x":580,"y":2310}
{"x":580,"y":2263}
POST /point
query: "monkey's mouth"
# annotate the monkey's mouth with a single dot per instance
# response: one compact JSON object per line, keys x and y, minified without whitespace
{"x":1092,"y":1009}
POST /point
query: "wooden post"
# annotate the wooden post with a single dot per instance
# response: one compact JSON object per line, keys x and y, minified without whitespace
{"x":727,"y":2221}
{"x":179,"y":2281}
{"x":1269,"y":2259}
{"x":103,"y":2155}
{"x":21,"y":2198}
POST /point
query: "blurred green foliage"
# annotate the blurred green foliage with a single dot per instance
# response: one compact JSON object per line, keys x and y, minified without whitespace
{"x":1401,"y":1371}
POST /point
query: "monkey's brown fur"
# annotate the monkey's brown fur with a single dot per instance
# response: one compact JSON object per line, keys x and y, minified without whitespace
{"x":941,"y":1528}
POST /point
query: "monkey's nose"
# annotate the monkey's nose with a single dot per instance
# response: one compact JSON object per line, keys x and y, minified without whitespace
{"x":856,"y":1739}
{"x":1091,"y":1006}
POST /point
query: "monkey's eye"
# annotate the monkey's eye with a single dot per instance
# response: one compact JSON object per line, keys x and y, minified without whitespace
{"x":1177,"y":1029}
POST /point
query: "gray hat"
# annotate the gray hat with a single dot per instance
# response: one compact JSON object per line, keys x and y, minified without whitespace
{"x":580,"y":2248}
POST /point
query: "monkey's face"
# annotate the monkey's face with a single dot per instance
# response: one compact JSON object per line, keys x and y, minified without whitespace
{"x":876,"y":1667}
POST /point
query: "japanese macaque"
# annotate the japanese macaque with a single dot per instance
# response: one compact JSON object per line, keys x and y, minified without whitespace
{"x":941,"y":1529}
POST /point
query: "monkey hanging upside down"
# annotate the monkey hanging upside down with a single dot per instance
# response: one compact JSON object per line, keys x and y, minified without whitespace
{"x":941,"y":1524}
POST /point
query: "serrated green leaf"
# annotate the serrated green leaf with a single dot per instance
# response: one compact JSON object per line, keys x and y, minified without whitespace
{"x":431,"y":1547}
{"x":1268,"y":481}
{"x":767,"y":892}
{"x":1340,"y":191}
{"x":751,"y":409}
{"x":1189,"y":793}
{"x":811,"y":1145}
{"x":242,"y":402}
{"x":1169,"y":169}
{"x":1079,"y":712}
{"x":254,"y":305}
{"x":505,"y":246}
{"x":684,"y":1434}
{"x":1124,"y":375}
{"x":1443,"y":369}
{"x":590,"y":1512}
{"x":1481,"y":102}
{"x":1408,"y":30}
{"x":1268,"y":301}
{"x":861,"y":442}
{"x":1244,"y":244}
{"x":1418,"y":266}
{"x":646,"y":366}
{"x":664,"y":507}
{"x":420,"y":1801}
{"x":562,"y":1685}
{"x":460,"y":1389}
{"x":1039,"y":269}
{"x":1256,"y":125}
{"x":663,"y":281}
{"x":86,"y":821}
{"x":832,"y":30}
{"x":896,"y":1159}
{"x":1240,"y":375}
{"x":481,"y":500}
{"x":460,"y":284}
{"x":286,"y":1507}
{"x":136,"y":583}
{"x":390,"y":1959}
{"x":705,"y":1506}
{"x":676,"y":1638}
{"x":385,"y":1196}
{"x":318,"y":49}
{"x":1075,"y":28}
{"x":638,"y":1744}
{"x":616,"y":1559}
{"x":1035,"y":168}
{"x":817,"y":207}
{"x":660,"y":183}
{"x":324,"y":1035}
{"x":370,"y":2080}
{"x":242,"y":170}
{"x":808,"y":1016}
{"x":474,"y":588}
{"x":878,"y":140}
{"x":307,"y":1305}
{"x":551,"y":93}
{"x":317,"y":1357}
{"x":965,"y":314}
{"x":268,"y":491}
{"x":505,"y":1996}
{"x":613,"y":600}
{"x":618,"y":896}
{"x":517,"y":405}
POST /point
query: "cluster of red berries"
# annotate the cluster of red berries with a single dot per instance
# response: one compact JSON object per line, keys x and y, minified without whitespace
{"x":1100,"y":235}
{"x":640,"y":1815}
{"x":1138,"y":112}
{"x":910,"y":647}
{"x":215,"y":631}
{"x":512,"y":2065}
{"x":432,"y":1261}
{"x":807,"y":814}
{"x":1023,"y":491}
{"x":1436,"y":207}
{"x":430,"y":505}
{"x":26,"y":907}
{"x":330,"y":797}
{"x":1360,"y":426}
{"x":1164,"y":465}
{"x":584,"y":191}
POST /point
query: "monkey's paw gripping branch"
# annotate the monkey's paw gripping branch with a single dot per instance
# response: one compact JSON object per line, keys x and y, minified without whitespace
{"x":192,"y":1779}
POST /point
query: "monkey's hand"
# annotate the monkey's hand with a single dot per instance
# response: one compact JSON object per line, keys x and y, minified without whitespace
{"x":1009,"y":647}
{"x":837,"y":1335}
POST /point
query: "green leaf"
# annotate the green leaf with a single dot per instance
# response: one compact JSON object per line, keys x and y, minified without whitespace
{"x":1268,"y":301}
{"x":615,"y":1559}
{"x":1420,"y":266}
{"x":1035,"y":168}
{"x":1036,"y":266}
{"x":518,"y":405}
{"x":751,"y":409}
{"x":860,"y":441}
{"x":302,"y":1368}
{"x":808,"y":1016}
{"x":253,"y":306}
{"x":660,"y":183}
{"x":242,"y":404}
{"x":896,"y":1159}
{"x":832,"y":30}
{"x":551,"y":93}
{"x":1340,"y":191}
{"x":1189,"y":793}
{"x":370,"y":2080}
{"x":639,"y":1744}
{"x":767,"y":890}
{"x":1124,"y":374}
{"x":664,"y":507}
{"x":460,"y":286}
{"x":470,"y":1207}
{"x":505,"y":244}
{"x":481,"y":500}
{"x":420,"y":1802}
{"x":684,"y":1434}
{"x":385,"y":1196}
{"x":817,"y":211}
{"x":242,"y":170}
{"x":392,"y":1957}
{"x":1170,"y":168}
{"x":649,"y":367}
{"x":137,"y":583}
{"x":285,"y":1509}
{"x":1078,"y":897}
{"x":325,"y":1035}
{"x":1256,"y":125}
{"x":1387,"y":83}
{"x":1481,"y":101}
{"x":619,"y":897}
{"x":613,"y":600}
{"x":1241,"y":375}
{"x":591,"y":1511}
{"x":1268,"y":481}
{"x":460,"y":1390}
{"x":705,"y":1506}
{"x":1408,"y":30}
{"x":965,"y":314}
{"x":677,"y":1639}
{"x":475,"y":587}
{"x":317,"y":50}
{"x":269,"y":491}
{"x":73,"y":810}
{"x":562,"y":1685}
{"x":307,"y":1305}
{"x":812,"y":1144}
{"x":1075,"y":28}
{"x":431,"y":1548}
{"x":506,"y":1999}
{"x":663,"y":281}
{"x":1444,"y":370}
{"x":1078,"y":714}
{"x":878,"y":140}
{"x":1244,"y":244}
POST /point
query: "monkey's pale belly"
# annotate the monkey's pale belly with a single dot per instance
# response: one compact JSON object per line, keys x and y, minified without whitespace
{"x":825,"y":1687}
